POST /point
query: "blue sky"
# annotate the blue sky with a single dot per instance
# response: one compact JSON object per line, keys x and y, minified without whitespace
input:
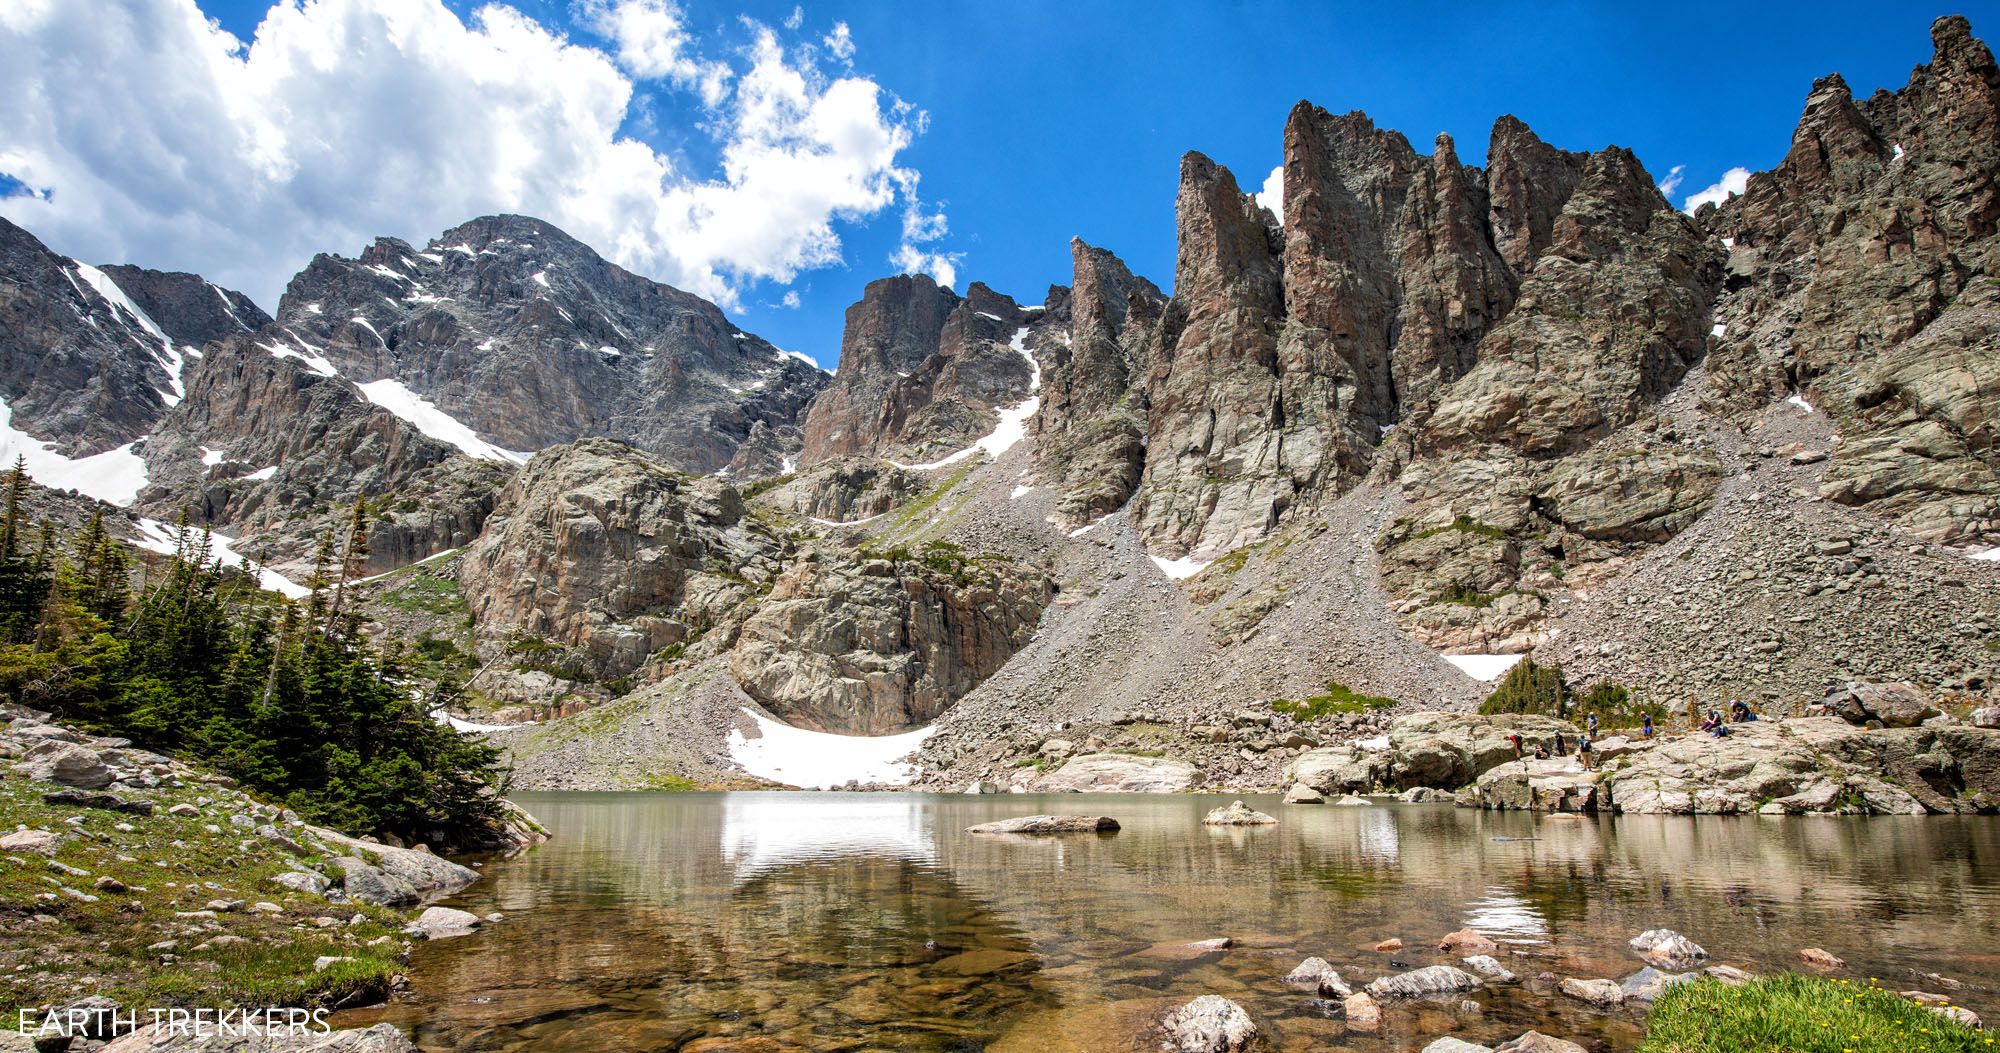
{"x":1047,"y":120}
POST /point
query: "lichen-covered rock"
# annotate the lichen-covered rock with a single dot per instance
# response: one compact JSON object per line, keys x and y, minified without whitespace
{"x":601,"y":549}
{"x":886,"y":642}
{"x":64,"y":763}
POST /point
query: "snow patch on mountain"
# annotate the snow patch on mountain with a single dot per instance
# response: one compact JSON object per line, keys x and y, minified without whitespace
{"x":116,"y":475}
{"x":393,"y":396}
{"x":818,"y":760}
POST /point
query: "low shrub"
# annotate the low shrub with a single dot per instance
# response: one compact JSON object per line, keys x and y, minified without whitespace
{"x":1337,"y":699}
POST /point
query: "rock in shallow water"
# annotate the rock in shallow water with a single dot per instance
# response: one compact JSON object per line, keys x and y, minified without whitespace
{"x":1237,"y":814}
{"x":1435,"y":979}
{"x":1047,"y":824}
{"x":1602,"y":993}
{"x":1315,"y":974}
{"x":1667,"y":949}
{"x":1209,"y":1024}
{"x":1300,"y":793}
{"x":1456,"y":1045}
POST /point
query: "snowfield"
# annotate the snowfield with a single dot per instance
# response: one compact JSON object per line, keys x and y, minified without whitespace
{"x":1483,"y":666}
{"x":818,"y":760}
{"x":393,"y":396}
{"x":156,"y":536}
{"x":115,"y":476}
{"x":1176,"y":569}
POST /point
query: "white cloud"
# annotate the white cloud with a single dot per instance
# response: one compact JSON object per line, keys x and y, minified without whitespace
{"x":653,"y":43}
{"x":168,"y":142}
{"x":1672,"y":182}
{"x":1731,"y":184}
{"x":840,"y":42}
{"x":791,"y":299}
{"x":941,"y":266}
{"x":797,"y":18}
{"x":1273,"y":194}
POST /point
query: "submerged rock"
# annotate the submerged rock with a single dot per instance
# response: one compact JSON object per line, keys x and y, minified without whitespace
{"x":1465,"y":940}
{"x":1648,"y":984}
{"x":1489,"y":969}
{"x":1047,"y":824}
{"x":1237,"y":814}
{"x":1431,"y":980}
{"x":1820,"y":959}
{"x":1362,"y":1011}
{"x":1209,"y":1024}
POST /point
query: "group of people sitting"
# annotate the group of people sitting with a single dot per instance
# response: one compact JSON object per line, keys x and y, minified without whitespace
{"x":1714,"y":724}
{"x":1739,"y":713}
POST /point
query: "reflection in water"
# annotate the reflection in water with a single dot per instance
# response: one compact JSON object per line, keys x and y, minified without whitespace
{"x":1507,"y":918}
{"x":764,"y":830}
{"x":845,"y":922}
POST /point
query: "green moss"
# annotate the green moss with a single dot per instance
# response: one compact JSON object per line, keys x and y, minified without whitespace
{"x":1337,"y":699}
{"x":1798,"y":1014}
{"x":667,"y":782}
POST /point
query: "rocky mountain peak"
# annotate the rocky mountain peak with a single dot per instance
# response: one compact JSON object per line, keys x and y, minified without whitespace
{"x":526,"y":338}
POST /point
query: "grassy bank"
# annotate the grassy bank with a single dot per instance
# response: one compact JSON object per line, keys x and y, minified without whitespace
{"x":1800,"y":1014}
{"x":121,"y":908}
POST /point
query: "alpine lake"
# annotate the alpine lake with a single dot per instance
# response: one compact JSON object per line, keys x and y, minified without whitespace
{"x":774,"y":922}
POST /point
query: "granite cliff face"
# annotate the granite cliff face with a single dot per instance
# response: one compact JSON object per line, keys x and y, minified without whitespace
{"x":1090,"y":435}
{"x":1861,"y":279}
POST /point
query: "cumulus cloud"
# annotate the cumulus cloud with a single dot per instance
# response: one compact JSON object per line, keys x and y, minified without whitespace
{"x":1273,"y":194}
{"x":1731,"y":184}
{"x":1672,"y":182}
{"x":164,"y":140}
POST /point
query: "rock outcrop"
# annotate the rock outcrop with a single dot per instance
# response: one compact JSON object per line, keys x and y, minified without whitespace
{"x":1048,"y":824}
{"x":1118,"y":773}
{"x":601,"y":550}
{"x":1090,"y":434}
{"x":886,"y":641}
{"x":924,"y":373}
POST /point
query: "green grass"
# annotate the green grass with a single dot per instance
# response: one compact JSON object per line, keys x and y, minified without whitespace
{"x":667,"y":782}
{"x":1799,"y":1014}
{"x":55,"y":946}
{"x":1337,"y":699}
{"x":427,"y":593}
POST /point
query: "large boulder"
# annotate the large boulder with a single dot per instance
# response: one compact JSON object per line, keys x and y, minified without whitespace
{"x":1898,"y":705}
{"x":1337,"y":770}
{"x":66,"y":763}
{"x":1118,"y":773}
{"x":1449,"y":750}
{"x":394,"y":877}
{"x":1236,"y":813}
{"x":1557,"y":784}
